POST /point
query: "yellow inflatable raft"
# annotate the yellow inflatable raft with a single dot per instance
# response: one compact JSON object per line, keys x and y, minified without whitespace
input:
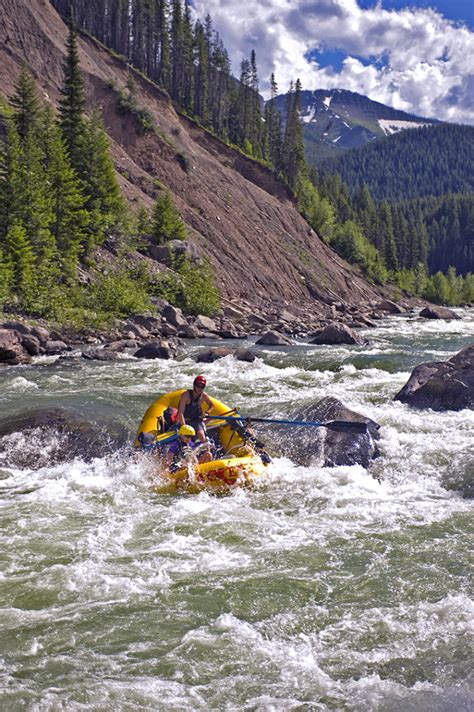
{"x":239,"y":466}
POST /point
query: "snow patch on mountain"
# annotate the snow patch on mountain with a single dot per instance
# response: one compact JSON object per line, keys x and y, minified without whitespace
{"x":309,"y":117}
{"x":391,"y":126}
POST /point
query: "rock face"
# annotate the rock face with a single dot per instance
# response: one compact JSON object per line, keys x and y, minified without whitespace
{"x":438,"y":313}
{"x":447,"y":385}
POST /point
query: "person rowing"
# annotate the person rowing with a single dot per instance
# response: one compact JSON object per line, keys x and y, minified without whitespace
{"x":180,"y":449}
{"x":190,"y":407}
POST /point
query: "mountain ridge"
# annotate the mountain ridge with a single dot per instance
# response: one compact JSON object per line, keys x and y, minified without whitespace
{"x":336,"y":120}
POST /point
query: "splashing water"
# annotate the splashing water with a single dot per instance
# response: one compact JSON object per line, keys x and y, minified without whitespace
{"x":320,"y":589}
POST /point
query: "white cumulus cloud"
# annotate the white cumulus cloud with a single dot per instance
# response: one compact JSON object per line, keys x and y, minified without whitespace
{"x":412,"y":59}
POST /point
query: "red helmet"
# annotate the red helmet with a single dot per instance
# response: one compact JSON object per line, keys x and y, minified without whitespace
{"x":199,"y":381}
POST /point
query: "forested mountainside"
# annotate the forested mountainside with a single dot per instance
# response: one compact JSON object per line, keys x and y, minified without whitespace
{"x":335,"y":120}
{"x":235,"y":211}
{"x":432,"y":160}
{"x":449,"y":222}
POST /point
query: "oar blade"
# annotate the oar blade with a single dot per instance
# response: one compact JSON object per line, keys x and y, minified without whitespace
{"x":344,"y":426}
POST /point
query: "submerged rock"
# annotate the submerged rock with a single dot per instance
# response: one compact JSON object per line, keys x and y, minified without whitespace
{"x":100,"y":355}
{"x":40,"y":438}
{"x":445,"y":385}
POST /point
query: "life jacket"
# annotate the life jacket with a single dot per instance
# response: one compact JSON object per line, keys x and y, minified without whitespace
{"x":169,"y":420}
{"x":179,"y":449}
{"x":193,"y":410}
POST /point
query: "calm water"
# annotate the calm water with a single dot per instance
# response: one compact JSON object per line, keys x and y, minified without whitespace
{"x":322,"y":589}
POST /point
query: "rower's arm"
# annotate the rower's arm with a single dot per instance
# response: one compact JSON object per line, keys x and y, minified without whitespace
{"x":183,"y":401}
{"x":209,"y":403}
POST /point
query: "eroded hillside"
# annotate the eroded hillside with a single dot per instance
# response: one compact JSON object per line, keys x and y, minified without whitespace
{"x":238,"y":214}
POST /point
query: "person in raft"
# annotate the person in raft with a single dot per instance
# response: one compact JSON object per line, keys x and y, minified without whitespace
{"x":183,"y":447}
{"x":190,"y":407}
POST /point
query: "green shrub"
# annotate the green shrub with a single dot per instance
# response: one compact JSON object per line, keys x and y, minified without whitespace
{"x":166,"y":222}
{"x":118,"y":294}
{"x":191,"y":288}
{"x":350,"y":243}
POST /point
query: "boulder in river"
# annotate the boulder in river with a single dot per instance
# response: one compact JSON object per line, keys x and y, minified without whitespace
{"x":218,"y":352}
{"x":307,"y":444}
{"x":274,"y":338}
{"x":12,"y":352}
{"x":337,"y":334}
{"x":386,"y":305}
{"x":156,"y":349}
{"x":445,"y":385}
{"x":438,"y":313}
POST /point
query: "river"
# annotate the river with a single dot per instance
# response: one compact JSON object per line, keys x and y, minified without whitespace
{"x":320,"y":589}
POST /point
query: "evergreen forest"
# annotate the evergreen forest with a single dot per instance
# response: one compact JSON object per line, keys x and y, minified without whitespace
{"x":60,"y":202}
{"x":431,"y":160}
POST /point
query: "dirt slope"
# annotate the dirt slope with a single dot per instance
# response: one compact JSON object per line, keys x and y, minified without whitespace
{"x":239,"y":215}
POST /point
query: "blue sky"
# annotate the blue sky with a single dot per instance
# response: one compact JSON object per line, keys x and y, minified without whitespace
{"x":457,"y":10}
{"x":416,"y":56}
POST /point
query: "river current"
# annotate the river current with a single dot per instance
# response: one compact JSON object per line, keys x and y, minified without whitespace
{"x":320,"y":589}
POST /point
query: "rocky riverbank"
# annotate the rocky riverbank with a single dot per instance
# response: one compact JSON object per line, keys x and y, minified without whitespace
{"x":163,"y":335}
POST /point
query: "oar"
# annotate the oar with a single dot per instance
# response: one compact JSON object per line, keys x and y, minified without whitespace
{"x":336,"y":425}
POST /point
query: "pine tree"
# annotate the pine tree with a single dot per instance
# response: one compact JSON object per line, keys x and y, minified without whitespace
{"x":255,"y":126}
{"x":273,"y":125}
{"x":389,"y":246}
{"x":177,"y":45}
{"x":6,"y":277}
{"x":30,"y":201}
{"x":244,"y":106}
{"x":9,"y":179}
{"x":188,"y":59}
{"x":367,"y":214}
{"x":164,"y":62}
{"x":25,"y":104}
{"x":166,"y":221}
{"x":201,"y":86}
{"x":22,"y":259}
{"x":69,"y":220}
{"x":72,"y":104}
{"x":103,"y":199}
{"x":293,"y":163}
{"x":138,"y":33}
